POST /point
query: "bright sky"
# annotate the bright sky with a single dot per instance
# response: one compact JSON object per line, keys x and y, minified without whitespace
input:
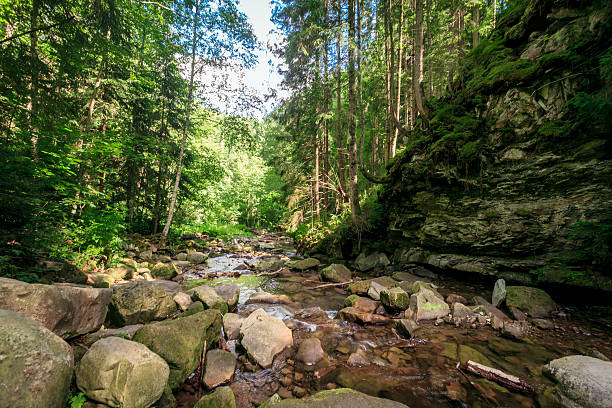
{"x":257,"y":81}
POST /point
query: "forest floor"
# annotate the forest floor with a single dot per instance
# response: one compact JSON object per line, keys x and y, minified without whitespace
{"x":375,"y":359}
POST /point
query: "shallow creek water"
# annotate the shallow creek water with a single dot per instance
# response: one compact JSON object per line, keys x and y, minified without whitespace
{"x":420,"y":372}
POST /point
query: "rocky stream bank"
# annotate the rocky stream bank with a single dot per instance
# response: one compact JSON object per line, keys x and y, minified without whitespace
{"x":247,"y":322}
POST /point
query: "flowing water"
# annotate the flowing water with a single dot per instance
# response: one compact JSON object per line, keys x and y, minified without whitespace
{"x":420,"y":372}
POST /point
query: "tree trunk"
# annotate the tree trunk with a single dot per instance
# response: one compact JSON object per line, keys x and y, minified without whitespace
{"x":33,"y":103}
{"x":388,"y":84}
{"x":475,"y":26}
{"x":417,"y":74}
{"x":429,"y":62}
{"x":179,"y":169}
{"x":398,"y":93}
{"x":326,"y":165}
{"x":342,"y":186}
{"x":353,"y":170}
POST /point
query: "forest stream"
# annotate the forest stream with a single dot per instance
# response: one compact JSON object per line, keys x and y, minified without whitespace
{"x":374,"y":359}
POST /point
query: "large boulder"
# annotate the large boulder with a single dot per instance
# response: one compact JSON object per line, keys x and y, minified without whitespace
{"x":223,"y":397}
{"x":35,"y":364}
{"x":533,"y":301}
{"x":340,"y":398}
{"x":220,"y":367}
{"x":164,"y":270}
{"x":376,"y":260}
{"x":65,"y":309}
{"x":427,"y":304}
{"x":122,"y":373}
{"x":336,"y":273}
{"x":180,"y":341}
{"x":139,"y":302}
{"x":196,"y":257}
{"x":395,"y":299}
{"x":586,"y":381}
{"x":264,"y":336}
{"x":303,"y":264}
{"x":209,"y":298}
{"x":230,"y":293}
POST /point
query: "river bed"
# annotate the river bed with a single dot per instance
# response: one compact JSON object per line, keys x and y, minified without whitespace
{"x":420,"y":372}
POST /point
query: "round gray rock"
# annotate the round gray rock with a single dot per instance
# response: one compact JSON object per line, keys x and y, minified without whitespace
{"x":35,"y":364}
{"x":122,"y":373}
{"x":585,"y":380}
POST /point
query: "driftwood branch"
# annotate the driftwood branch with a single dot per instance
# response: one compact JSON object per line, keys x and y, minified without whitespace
{"x":491,"y":401}
{"x":269,"y":273}
{"x":505,"y":379}
{"x":329,"y":285}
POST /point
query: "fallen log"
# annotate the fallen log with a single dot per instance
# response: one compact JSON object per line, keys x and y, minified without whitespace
{"x":269,"y":273}
{"x":330,"y":285}
{"x":493,"y":374}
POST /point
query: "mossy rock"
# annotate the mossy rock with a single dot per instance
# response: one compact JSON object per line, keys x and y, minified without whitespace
{"x":35,"y":364}
{"x":164,"y":270}
{"x":195,"y":307}
{"x":223,"y":397}
{"x":180,"y":341}
{"x":359,"y":288}
{"x":533,"y":301}
{"x":103,"y":280}
{"x":339,"y":398}
{"x":395,"y":299}
{"x":336,"y":273}
{"x":139,"y":302}
{"x":193,"y":283}
{"x":351,"y":300}
{"x":303,"y":264}
{"x":209,"y":298}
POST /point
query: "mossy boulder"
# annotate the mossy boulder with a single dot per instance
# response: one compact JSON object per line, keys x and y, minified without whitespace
{"x":303,"y":264}
{"x":164,"y":270}
{"x":427,"y":305}
{"x":339,"y":398}
{"x":180,"y":341}
{"x":196,"y":257}
{"x":122,"y":373}
{"x":376,"y":260}
{"x":395,"y":299}
{"x":102,"y":280}
{"x":533,"y":301}
{"x":359,"y":287}
{"x":223,"y":397}
{"x":336,"y":273}
{"x":139,"y":302}
{"x":120,"y":272}
{"x":209,"y":298}
{"x":230,"y":293}
{"x":35,"y":364}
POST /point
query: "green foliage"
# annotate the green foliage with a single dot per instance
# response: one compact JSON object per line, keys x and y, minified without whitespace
{"x":76,"y":401}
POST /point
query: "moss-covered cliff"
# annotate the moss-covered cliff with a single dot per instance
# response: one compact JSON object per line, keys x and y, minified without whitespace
{"x":513,"y":175}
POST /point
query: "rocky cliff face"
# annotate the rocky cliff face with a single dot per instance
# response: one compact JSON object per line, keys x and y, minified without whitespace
{"x":513,"y":176}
